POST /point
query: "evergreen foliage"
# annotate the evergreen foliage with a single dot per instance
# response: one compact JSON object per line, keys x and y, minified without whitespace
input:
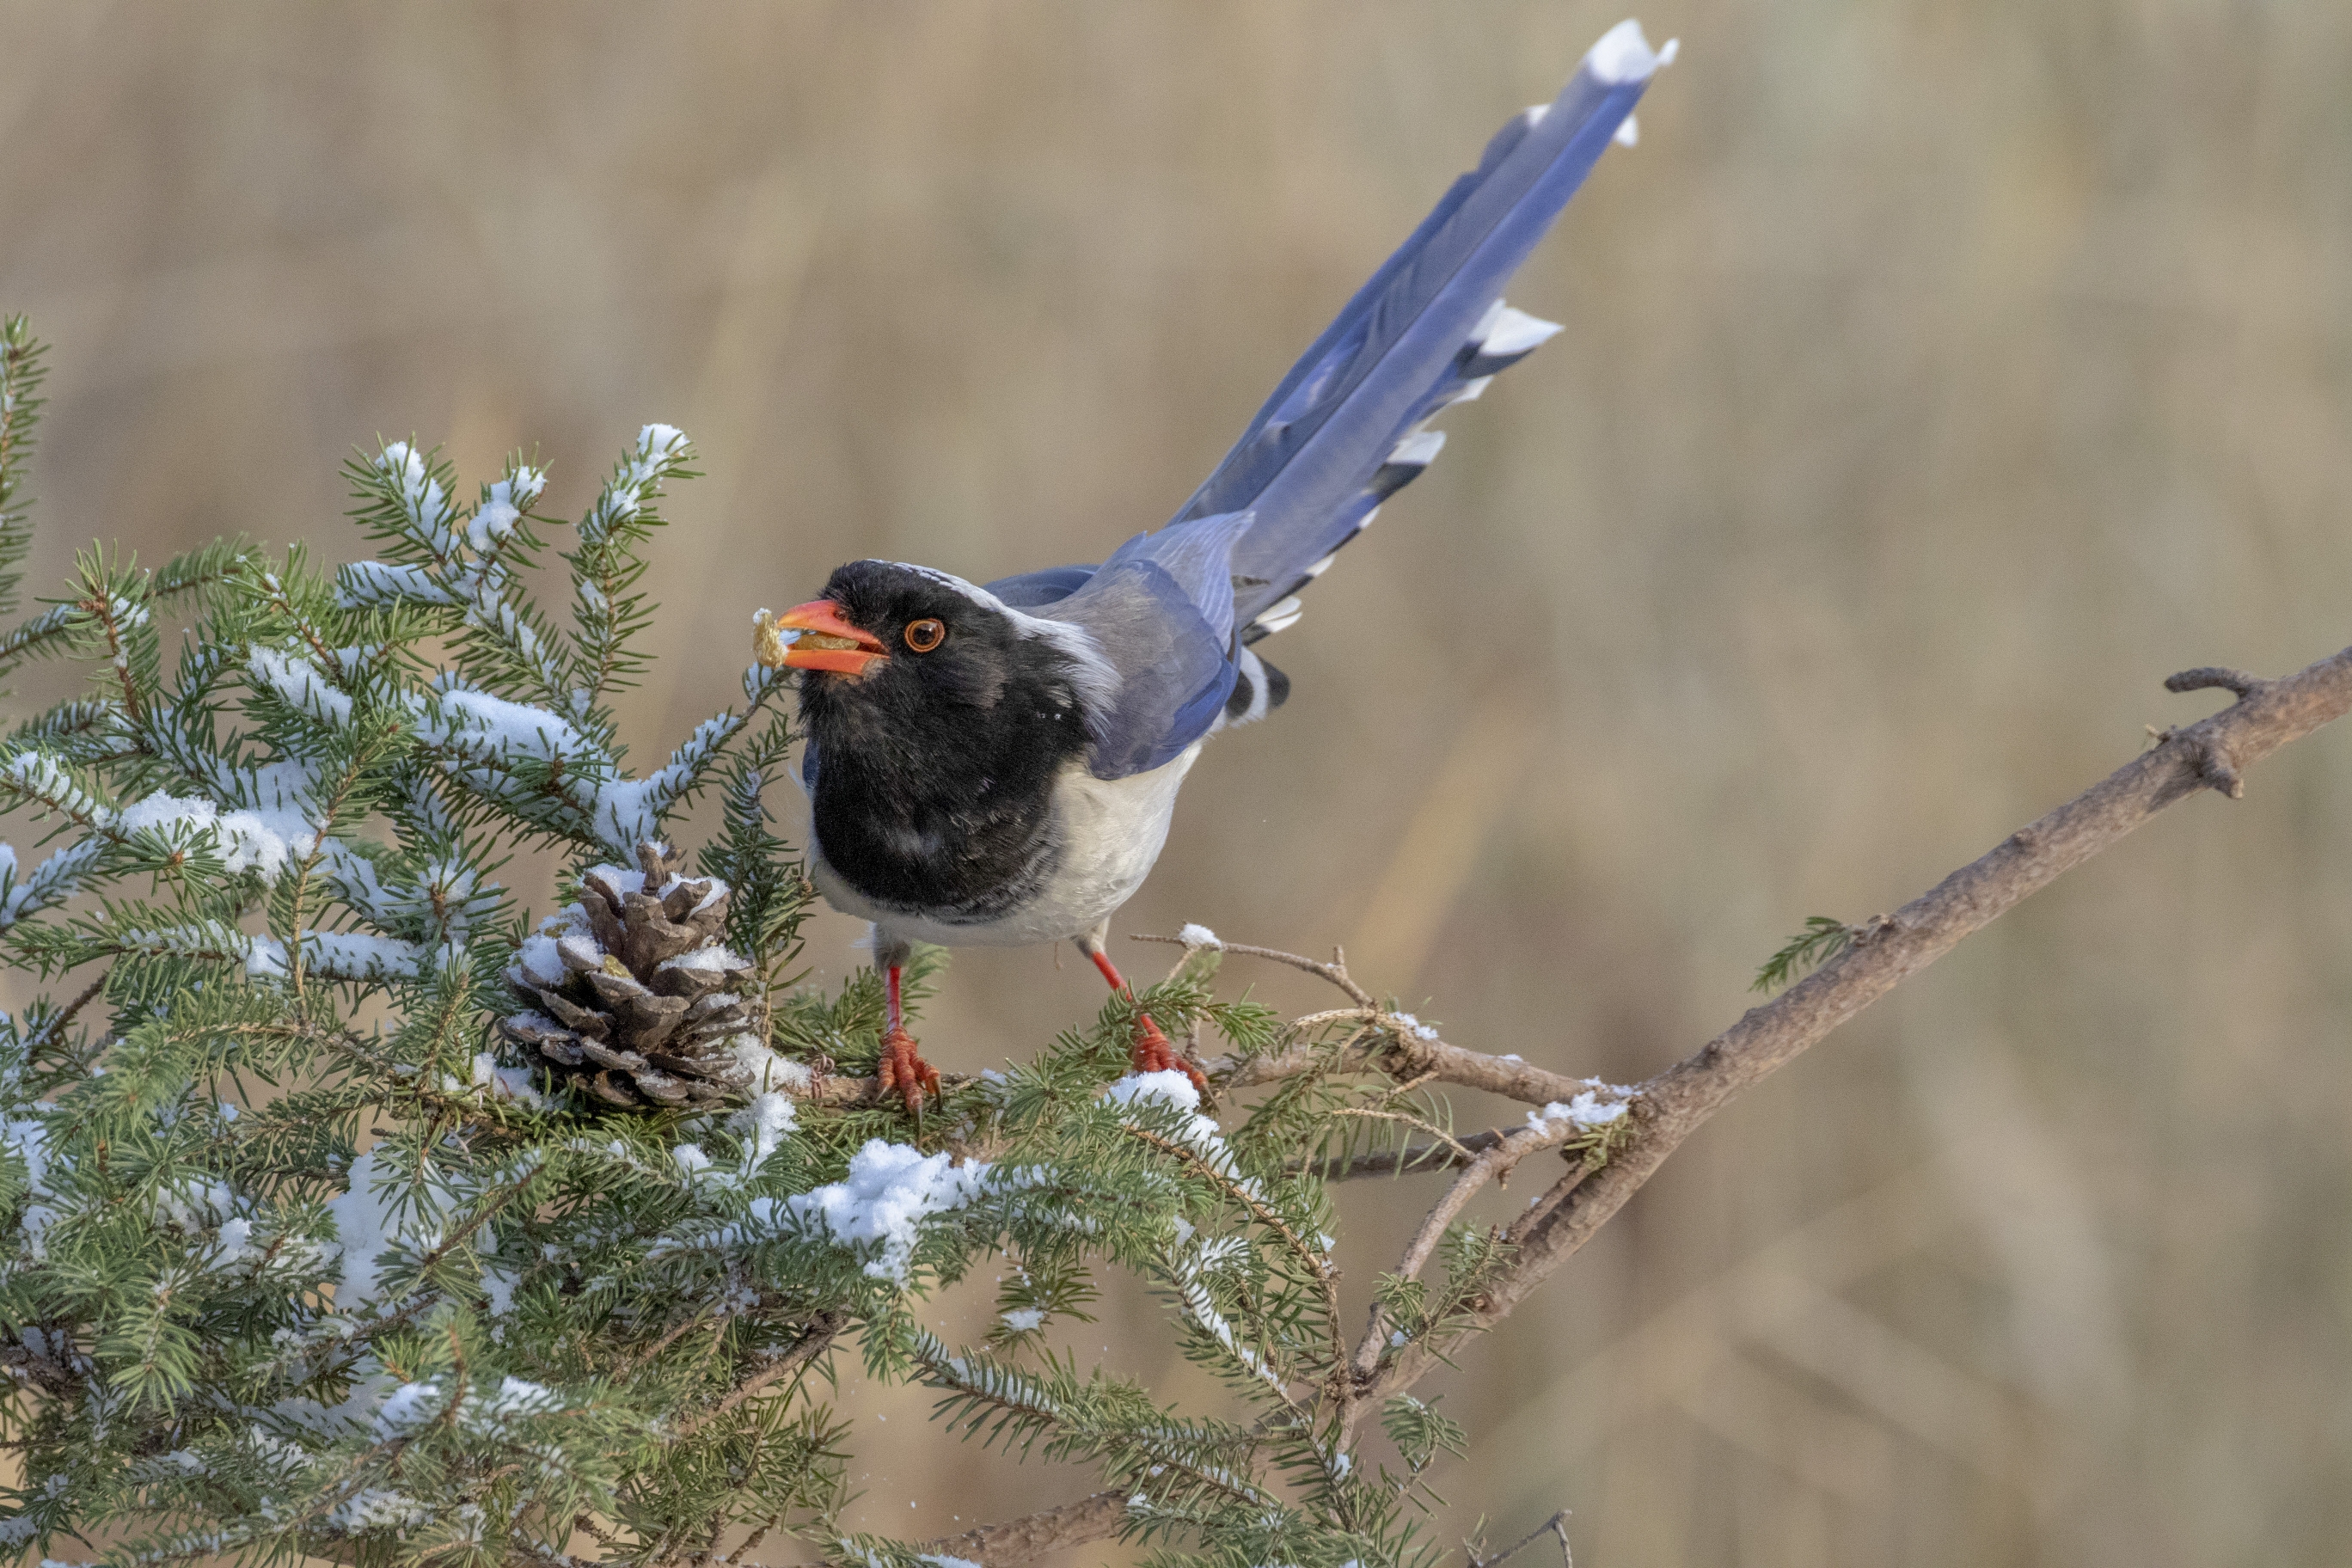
{"x":297,"y":1261}
{"x":1824,"y":938}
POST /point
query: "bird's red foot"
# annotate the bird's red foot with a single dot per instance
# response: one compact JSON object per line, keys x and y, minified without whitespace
{"x":1154,"y":1053}
{"x":906,"y":1071}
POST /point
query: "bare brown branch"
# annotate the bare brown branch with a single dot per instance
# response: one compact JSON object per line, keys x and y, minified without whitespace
{"x":1024,"y":1539}
{"x":2209,"y":755}
{"x":1403,"y":1052}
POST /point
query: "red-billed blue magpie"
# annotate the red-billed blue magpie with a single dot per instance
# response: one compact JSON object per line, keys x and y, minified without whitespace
{"x":996,"y":765}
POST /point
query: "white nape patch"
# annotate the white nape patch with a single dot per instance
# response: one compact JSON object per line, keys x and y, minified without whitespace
{"x":1279,"y":617}
{"x":1515,"y":331}
{"x":1629,"y":132}
{"x":1323,"y":565}
{"x":1623,"y":55}
{"x":1420,"y":448}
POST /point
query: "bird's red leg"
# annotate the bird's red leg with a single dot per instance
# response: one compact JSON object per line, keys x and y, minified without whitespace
{"x":902,"y":1069}
{"x":1153,"y":1051}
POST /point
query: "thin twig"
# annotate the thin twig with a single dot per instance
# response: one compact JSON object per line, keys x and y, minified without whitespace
{"x":58,"y":1021}
{"x":806,"y":1349}
{"x":1556,"y":1525}
{"x":1496,"y":1161}
{"x":1336,"y":971}
{"x":1429,"y":1126}
{"x":1408,"y":1162}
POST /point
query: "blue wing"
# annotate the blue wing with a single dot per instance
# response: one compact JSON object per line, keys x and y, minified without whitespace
{"x":1343,"y":430}
{"x":1162,"y":612}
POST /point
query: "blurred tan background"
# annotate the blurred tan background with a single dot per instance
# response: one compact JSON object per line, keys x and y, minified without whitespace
{"x":1937,"y":378}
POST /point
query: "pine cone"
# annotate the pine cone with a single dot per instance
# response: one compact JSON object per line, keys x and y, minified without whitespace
{"x":633,"y":981}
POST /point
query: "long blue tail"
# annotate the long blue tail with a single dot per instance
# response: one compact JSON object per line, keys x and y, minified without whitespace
{"x":1342,"y":432}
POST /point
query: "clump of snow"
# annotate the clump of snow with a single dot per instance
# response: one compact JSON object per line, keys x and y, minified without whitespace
{"x":520,"y":1396}
{"x":716,"y":959}
{"x":620,"y":878}
{"x":945,"y":1559}
{"x":1199,"y":936}
{"x":262,"y":836}
{"x":690,"y":1159}
{"x":539,"y":962}
{"x":499,"y":1284}
{"x":1025,"y":1320}
{"x":1623,"y":55}
{"x":1586,"y":1111}
{"x":512,"y":729}
{"x":29,"y":1141}
{"x":365,"y":583}
{"x":1195,"y":1130}
{"x":889,"y":1191}
{"x":407,"y":1407}
{"x":356,"y":955}
{"x":301,"y":683}
{"x":1413,"y":1026}
{"x":763,"y":1124}
{"x":375,"y":1507}
{"x":204,"y":1205}
{"x":366,"y":1223}
{"x":763,"y":1068}
{"x":501,"y":509}
{"x":500,"y":1082}
{"x":1174,"y":1087}
{"x":265,"y":958}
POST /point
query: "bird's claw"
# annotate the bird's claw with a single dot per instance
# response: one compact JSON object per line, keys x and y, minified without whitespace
{"x":906,"y":1071}
{"x":1153,"y":1052}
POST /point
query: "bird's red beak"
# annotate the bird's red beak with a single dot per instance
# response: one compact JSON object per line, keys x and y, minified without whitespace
{"x":825,"y":640}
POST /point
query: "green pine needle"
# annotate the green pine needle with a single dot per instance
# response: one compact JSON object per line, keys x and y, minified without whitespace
{"x":1821,"y":940}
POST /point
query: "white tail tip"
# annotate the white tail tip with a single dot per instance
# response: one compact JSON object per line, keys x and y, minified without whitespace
{"x":1623,"y":55}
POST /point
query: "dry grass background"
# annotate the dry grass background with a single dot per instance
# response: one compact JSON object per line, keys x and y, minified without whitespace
{"x":1937,"y":378}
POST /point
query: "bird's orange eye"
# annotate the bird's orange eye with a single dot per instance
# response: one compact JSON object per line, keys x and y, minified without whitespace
{"x":926,"y":634}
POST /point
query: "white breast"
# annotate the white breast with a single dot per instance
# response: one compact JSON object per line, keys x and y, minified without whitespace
{"x":1109,"y":831}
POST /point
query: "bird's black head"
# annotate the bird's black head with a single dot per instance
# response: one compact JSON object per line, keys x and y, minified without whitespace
{"x":911,"y":641}
{"x":910,"y":664}
{"x":939,"y":718}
